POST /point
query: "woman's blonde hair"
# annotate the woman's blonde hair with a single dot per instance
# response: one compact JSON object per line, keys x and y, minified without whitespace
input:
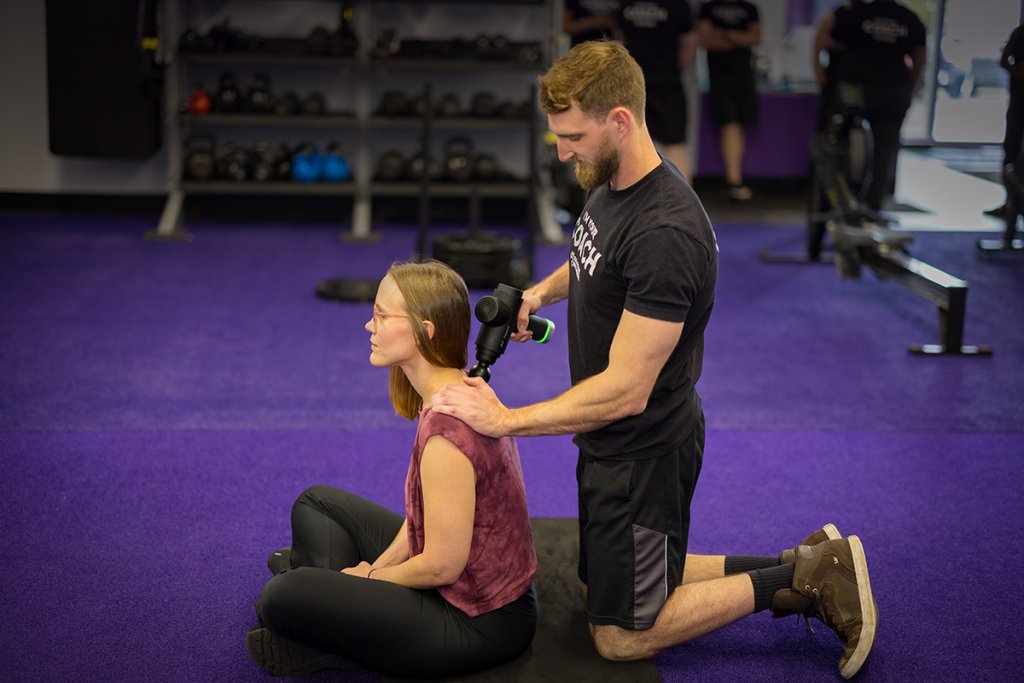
{"x":434,"y":292}
{"x":596,"y":76}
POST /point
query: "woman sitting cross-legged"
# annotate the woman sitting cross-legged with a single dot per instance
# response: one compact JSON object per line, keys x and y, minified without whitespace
{"x":445,"y":589}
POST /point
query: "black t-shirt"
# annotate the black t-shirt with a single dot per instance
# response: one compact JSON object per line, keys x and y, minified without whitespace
{"x":580,"y":9}
{"x":877,"y":37}
{"x":735,"y":15}
{"x":648,"y":249}
{"x":651,"y":30}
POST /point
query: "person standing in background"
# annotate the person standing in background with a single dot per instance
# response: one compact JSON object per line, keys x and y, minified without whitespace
{"x":728,"y":30}
{"x":879,"y":37}
{"x":584,"y":20}
{"x":1013,"y":61}
{"x":660,"y":36}
{"x":827,"y":75}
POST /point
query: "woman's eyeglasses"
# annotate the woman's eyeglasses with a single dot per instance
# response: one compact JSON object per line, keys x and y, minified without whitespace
{"x":379,"y":317}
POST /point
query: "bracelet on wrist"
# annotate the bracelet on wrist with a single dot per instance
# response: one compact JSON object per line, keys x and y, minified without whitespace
{"x":370,"y":573}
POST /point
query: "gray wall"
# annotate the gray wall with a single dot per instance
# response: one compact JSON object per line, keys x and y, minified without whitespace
{"x":26,"y":164}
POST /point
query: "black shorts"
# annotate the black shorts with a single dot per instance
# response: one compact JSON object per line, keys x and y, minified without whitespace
{"x":733,"y":100}
{"x":666,"y":111}
{"x":634,"y":525}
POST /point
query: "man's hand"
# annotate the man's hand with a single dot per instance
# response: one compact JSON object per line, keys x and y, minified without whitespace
{"x":473,"y":402}
{"x":531,"y":304}
{"x":361,"y":569}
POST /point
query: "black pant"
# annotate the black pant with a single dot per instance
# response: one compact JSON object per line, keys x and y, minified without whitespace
{"x":885,"y":107}
{"x":379,"y":625}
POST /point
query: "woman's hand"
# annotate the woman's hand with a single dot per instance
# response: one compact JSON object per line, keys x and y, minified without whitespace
{"x":362,"y":569}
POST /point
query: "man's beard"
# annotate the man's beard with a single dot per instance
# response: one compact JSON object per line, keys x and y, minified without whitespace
{"x":591,"y":174}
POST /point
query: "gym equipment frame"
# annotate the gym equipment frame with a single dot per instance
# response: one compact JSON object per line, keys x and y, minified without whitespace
{"x":859,"y":236}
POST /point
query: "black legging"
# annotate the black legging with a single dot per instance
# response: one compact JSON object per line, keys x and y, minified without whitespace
{"x":379,"y":625}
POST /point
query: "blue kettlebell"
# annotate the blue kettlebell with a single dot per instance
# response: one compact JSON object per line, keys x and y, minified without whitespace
{"x":307,"y":164}
{"x":335,"y":168}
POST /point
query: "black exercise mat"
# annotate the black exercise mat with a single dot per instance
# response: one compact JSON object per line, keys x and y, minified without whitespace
{"x":562,"y":650}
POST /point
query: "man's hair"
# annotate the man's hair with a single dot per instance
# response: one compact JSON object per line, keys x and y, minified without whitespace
{"x":434,"y":292}
{"x":596,"y":76}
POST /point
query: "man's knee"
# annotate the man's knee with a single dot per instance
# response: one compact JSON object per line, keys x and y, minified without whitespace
{"x":621,"y":645}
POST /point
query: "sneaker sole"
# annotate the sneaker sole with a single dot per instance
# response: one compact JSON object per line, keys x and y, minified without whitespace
{"x":831,"y":532}
{"x":868,"y":610}
{"x":284,"y":658}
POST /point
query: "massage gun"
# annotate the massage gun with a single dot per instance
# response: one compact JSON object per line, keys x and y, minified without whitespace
{"x":499,"y":313}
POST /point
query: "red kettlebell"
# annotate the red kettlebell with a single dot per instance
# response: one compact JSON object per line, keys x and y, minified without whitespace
{"x":199,"y":102}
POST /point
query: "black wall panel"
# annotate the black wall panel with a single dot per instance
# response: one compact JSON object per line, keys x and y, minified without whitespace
{"x":104,"y":90}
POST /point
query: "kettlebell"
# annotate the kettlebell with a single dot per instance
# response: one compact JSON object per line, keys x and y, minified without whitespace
{"x":265,"y":158}
{"x":390,"y":167}
{"x":228,"y":97}
{"x":458,"y":160}
{"x":232,"y":161}
{"x":415,"y":166}
{"x":335,"y":165}
{"x":448,"y":106}
{"x":394,"y":103}
{"x":199,"y":101}
{"x":314,"y":105}
{"x":258,"y":98}
{"x":199,"y":164}
{"x":307,"y":164}
{"x":486,"y":169}
{"x":287,"y":104}
{"x":485,"y":104}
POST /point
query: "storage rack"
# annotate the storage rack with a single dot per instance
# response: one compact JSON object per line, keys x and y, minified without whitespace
{"x":360,"y":72}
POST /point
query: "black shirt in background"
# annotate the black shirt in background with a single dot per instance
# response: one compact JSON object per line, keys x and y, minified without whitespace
{"x":651,"y":30}
{"x":591,"y":8}
{"x":735,"y":15}
{"x":877,"y":37}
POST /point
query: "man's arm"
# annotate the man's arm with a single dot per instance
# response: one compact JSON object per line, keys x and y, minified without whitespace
{"x":639,"y":350}
{"x":918,"y":58}
{"x":574,"y":26}
{"x":823,"y":40}
{"x":687,"y":49}
{"x":712,"y":38}
{"x":1015,"y":67}
{"x":748,"y":37}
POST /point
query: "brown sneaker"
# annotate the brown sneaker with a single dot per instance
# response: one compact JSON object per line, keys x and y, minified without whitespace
{"x":830,"y":583}
{"x":829,"y":532}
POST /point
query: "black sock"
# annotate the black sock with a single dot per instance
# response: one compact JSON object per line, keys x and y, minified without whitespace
{"x":769,"y":581}
{"x":737,"y":564}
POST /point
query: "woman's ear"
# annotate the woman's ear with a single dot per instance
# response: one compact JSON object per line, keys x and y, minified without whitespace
{"x":428,"y":327}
